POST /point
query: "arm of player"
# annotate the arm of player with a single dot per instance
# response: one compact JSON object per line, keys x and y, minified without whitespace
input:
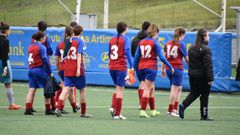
{"x":45,"y":60}
{"x":48,"y":46}
{"x":136,"y":58}
{"x":184,"y":52}
{"x":57,"y":58}
{"x":128,"y":52}
{"x":79,"y":57}
{"x":164,"y":67}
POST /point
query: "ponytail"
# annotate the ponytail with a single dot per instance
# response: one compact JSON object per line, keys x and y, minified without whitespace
{"x":121,"y":27}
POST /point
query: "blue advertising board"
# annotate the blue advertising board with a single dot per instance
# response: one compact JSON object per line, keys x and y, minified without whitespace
{"x":96,"y":56}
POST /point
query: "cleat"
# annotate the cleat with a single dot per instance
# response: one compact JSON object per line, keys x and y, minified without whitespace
{"x":206,"y":119}
{"x":181,"y":111}
{"x":50,"y":112}
{"x":143,"y":114}
{"x":58,"y":113}
{"x":120,"y":117}
{"x":64,"y":111}
{"x":14,"y":107}
{"x":154,"y":113}
{"x":173,"y":114}
{"x":76,"y":109}
{"x":28,"y":112}
{"x":86,"y":115}
{"x":111,"y":110}
{"x":33,"y":110}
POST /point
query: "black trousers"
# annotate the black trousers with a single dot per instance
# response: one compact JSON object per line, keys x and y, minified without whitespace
{"x":199,"y":87}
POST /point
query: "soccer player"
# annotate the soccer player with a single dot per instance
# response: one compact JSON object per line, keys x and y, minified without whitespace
{"x":60,"y":64}
{"x":5,"y":67}
{"x":74,"y":71}
{"x":39,"y":70}
{"x":42,"y":27}
{"x":141,"y":35}
{"x":146,"y":55}
{"x":119,"y":53}
{"x":175,"y":51}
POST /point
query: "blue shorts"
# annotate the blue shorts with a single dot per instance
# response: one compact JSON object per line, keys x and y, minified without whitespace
{"x":138,"y":76}
{"x":37,"y":77}
{"x":148,"y":74}
{"x":176,"y":78}
{"x":78,"y":82}
{"x":61,"y":75}
{"x":118,"y":77}
{"x":8,"y":77}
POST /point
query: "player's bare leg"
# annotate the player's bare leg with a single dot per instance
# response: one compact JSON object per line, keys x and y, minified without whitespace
{"x":83,"y":103}
{"x":119,"y":98}
{"x":140,"y":92}
{"x":154,"y":112}
{"x":29,"y":101}
{"x":61,"y":100}
{"x":172,"y":99}
{"x":148,"y":85}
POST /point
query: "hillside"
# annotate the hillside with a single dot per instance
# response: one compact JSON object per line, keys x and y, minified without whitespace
{"x":165,"y":13}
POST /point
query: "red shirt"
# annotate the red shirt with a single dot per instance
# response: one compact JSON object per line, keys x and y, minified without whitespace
{"x":59,"y":52}
{"x":35,"y":54}
{"x":148,"y":58}
{"x":175,"y":53}
{"x":70,"y":68}
{"x":117,"y":55}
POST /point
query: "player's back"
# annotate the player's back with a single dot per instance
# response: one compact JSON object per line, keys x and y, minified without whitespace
{"x":34,"y":55}
{"x":174,"y":54}
{"x":117,"y":53}
{"x":148,"y":58}
{"x":76,"y":47}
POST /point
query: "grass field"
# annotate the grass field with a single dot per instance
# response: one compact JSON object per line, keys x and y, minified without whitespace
{"x":166,"y":13}
{"x":224,"y":108}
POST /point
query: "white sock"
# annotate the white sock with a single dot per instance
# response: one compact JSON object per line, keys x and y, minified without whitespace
{"x":9,"y":93}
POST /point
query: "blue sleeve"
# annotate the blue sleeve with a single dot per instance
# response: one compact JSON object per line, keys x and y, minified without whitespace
{"x":136,"y":58}
{"x":45,"y":60}
{"x":183,"y":49}
{"x":127,"y":47}
{"x":48,"y":46}
{"x":80,"y":46}
{"x":160,"y":54}
{"x":57,"y":52}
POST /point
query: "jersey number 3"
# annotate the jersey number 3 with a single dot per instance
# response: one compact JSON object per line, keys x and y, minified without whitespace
{"x":114,"y":54}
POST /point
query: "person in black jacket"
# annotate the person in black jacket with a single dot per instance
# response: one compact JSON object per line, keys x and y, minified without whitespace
{"x":5,"y":68}
{"x":238,"y":71}
{"x":200,"y":74}
{"x":141,"y":35}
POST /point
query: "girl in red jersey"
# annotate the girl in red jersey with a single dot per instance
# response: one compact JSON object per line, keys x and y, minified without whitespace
{"x":119,"y":53}
{"x":175,"y":50}
{"x":146,"y":55}
{"x":74,"y":71}
{"x":39,"y":70}
{"x":60,"y":63}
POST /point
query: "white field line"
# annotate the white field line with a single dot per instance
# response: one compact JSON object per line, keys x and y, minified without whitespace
{"x":136,"y":107}
{"x":134,"y":91}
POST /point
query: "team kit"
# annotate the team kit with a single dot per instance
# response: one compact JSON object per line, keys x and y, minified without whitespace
{"x":127,"y":59}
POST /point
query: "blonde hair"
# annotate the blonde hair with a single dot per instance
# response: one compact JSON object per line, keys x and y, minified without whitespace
{"x":152,"y":29}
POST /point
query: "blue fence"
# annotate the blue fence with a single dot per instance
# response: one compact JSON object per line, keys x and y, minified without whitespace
{"x":96,"y":56}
